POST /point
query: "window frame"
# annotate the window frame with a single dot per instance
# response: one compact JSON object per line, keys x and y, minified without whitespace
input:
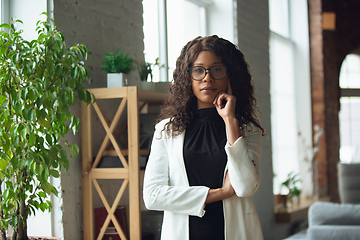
{"x":299,"y":40}
{"x":346,"y":92}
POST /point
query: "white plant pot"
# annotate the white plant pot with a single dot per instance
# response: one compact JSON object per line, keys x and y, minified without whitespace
{"x":116,"y":80}
{"x":147,"y":85}
{"x":296,"y":200}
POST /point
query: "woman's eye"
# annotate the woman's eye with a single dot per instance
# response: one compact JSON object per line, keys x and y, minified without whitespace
{"x":198,"y":70}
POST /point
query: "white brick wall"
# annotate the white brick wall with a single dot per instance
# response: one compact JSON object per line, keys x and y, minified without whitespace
{"x":102,"y":25}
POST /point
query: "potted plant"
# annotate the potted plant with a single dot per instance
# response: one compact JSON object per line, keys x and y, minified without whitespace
{"x":117,"y":65}
{"x":145,"y":69}
{"x":40,"y":80}
{"x":280,"y":199}
{"x":290,"y":183}
{"x":295,"y":195}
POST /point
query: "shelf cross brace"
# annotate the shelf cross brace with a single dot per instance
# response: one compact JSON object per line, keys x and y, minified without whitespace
{"x":109,"y":133}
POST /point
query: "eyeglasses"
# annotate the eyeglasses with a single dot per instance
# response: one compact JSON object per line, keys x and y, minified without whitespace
{"x":198,"y":73}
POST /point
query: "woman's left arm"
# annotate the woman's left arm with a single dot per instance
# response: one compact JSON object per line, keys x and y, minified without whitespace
{"x":244,"y":160}
{"x":243,"y":156}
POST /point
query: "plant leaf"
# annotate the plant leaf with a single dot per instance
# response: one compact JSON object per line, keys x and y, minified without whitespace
{"x":54,"y":173}
{"x":5,"y":25}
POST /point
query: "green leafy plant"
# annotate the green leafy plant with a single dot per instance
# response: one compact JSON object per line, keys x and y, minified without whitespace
{"x":295,"y":191}
{"x":144,"y":69}
{"x":290,"y":184}
{"x":40,"y":80}
{"x":117,"y":62}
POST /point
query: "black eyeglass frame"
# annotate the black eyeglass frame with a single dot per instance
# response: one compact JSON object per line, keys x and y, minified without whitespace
{"x":207,"y":70}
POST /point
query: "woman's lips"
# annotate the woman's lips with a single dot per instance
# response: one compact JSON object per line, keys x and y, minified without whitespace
{"x":208,"y":89}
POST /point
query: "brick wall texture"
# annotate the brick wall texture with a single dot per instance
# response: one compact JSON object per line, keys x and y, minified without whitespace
{"x":328,"y":50}
{"x":318,"y":107}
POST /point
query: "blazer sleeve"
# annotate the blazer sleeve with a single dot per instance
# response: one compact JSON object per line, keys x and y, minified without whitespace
{"x":158,"y":193}
{"x":244,"y":159}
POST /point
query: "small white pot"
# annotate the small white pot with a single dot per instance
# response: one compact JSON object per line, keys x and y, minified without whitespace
{"x":116,"y":80}
{"x":296,"y":200}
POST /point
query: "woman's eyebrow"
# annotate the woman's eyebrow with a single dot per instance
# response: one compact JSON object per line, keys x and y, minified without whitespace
{"x":212,"y":63}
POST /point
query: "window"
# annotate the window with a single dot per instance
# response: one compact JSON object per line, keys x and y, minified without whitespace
{"x":290,"y":93}
{"x":4,"y":12}
{"x":177,"y":22}
{"x":283,"y":115}
{"x":349,"y":115}
{"x":279,"y":17}
{"x":184,"y":20}
{"x":151,"y":32}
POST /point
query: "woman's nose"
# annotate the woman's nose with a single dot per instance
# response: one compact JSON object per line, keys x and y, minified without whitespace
{"x":208,"y":76}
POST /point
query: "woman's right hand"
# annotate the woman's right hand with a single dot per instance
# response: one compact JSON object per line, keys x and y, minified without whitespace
{"x":227,"y":188}
{"x":222,"y":193}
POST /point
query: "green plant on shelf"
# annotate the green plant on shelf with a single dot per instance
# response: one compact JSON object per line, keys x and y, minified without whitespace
{"x":117,"y":62}
{"x":291,"y":184}
{"x":146,"y":68}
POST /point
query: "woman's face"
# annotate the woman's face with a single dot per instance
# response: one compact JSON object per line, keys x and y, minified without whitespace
{"x":208,"y":88}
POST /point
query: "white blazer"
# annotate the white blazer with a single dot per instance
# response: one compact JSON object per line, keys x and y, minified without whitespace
{"x":166,"y":187}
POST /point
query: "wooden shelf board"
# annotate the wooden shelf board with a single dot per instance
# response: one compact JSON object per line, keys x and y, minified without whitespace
{"x":109,"y":173}
{"x":143,"y":95}
{"x":295,"y":212}
{"x":125,"y":152}
{"x":150,"y":96}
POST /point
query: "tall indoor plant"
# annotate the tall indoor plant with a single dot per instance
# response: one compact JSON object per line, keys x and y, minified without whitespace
{"x":40,"y":80}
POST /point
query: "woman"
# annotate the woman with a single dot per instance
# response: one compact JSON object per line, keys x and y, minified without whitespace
{"x":204,"y":164}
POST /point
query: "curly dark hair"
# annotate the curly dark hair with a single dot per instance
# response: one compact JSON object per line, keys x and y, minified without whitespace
{"x":181,"y":101}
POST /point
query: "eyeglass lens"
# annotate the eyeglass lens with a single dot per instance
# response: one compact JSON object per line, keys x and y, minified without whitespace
{"x":216,"y":72}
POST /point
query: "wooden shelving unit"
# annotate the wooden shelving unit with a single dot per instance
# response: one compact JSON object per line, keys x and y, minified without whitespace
{"x":131,"y":96}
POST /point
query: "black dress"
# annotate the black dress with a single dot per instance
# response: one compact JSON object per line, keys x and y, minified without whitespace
{"x":205,"y":161}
